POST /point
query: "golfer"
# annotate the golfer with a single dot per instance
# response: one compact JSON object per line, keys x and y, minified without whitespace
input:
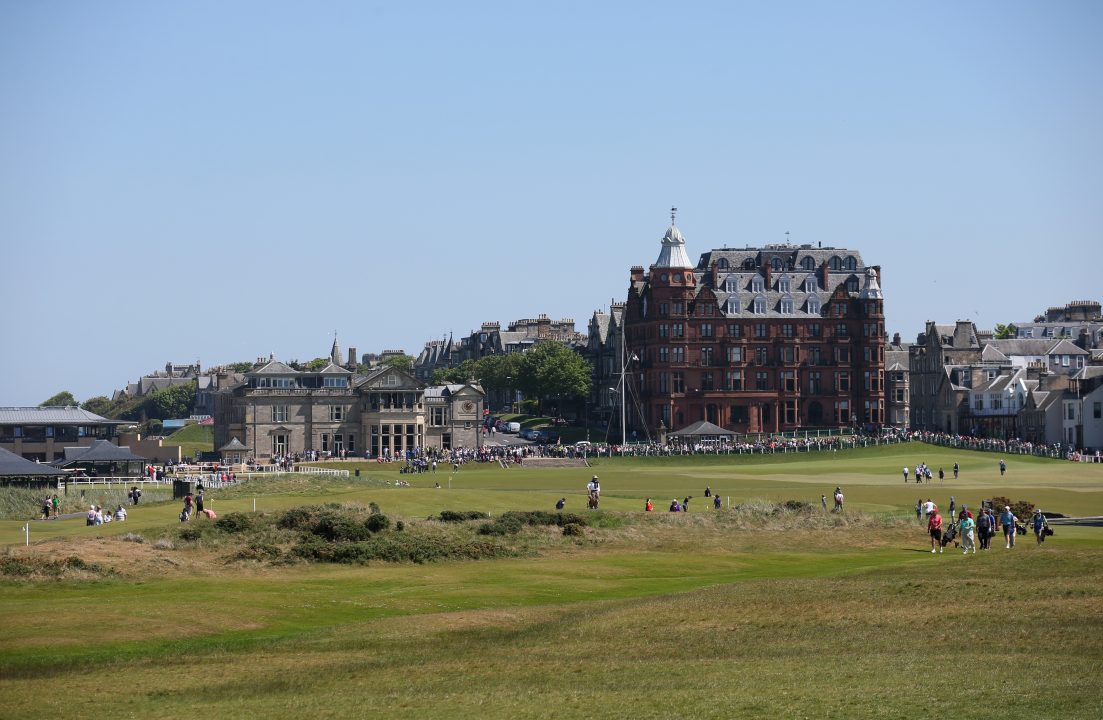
{"x":966,"y":526}
{"x":934,"y":527}
{"x":1008,"y":520}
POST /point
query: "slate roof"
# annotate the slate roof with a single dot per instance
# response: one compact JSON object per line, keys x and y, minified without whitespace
{"x":1021,"y":347}
{"x":332,"y":369}
{"x":701,"y":428}
{"x":992,"y":354}
{"x":99,"y":451}
{"x":12,"y":465}
{"x":233,"y":445}
{"x":1064,"y":347}
{"x":54,"y":416}
{"x":896,"y":360}
{"x":275,"y":367}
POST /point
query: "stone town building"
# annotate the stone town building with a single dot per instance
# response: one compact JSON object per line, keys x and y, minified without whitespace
{"x":897,"y":384}
{"x":964,"y":381}
{"x":604,"y":351}
{"x":491,"y":339}
{"x":755,"y":340}
{"x":278,"y":411}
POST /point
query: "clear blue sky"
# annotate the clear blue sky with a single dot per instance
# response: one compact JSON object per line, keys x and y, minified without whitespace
{"x":222,"y":180}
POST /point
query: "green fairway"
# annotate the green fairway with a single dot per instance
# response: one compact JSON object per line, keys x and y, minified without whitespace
{"x":712,"y":614}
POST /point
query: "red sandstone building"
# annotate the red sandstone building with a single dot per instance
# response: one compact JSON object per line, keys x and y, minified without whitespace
{"x":755,"y":340}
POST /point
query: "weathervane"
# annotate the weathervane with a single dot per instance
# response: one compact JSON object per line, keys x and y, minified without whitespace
{"x":673,"y":212}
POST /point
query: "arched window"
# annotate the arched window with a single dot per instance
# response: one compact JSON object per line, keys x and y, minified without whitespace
{"x":722,"y":264}
{"x":835,"y":263}
{"x":760,"y":305}
{"x":808,"y":263}
{"x":776,"y":264}
{"x":851,"y":263}
{"x":852,"y":284}
{"x":748,"y":264}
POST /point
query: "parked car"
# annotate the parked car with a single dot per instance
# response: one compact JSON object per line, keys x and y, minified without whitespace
{"x":513,"y":427}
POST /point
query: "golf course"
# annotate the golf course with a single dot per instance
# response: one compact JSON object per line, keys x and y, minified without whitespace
{"x":331,"y":597}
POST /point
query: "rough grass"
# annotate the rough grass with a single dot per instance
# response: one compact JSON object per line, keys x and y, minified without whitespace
{"x":759,"y":610}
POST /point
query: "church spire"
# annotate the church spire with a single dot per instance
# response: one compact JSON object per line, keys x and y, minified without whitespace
{"x":335,"y":351}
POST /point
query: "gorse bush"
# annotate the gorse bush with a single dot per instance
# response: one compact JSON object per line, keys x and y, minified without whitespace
{"x":455,"y":516}
{"x":42,"y":568}
{"x":510,"y":523}
{"x":236,"y":523}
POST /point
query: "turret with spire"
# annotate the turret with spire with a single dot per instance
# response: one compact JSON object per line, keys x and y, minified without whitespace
{"x":673,"y":254}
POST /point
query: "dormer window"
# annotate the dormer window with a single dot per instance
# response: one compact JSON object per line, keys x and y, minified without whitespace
{"x":814,"y":305}
{"x":835,"y":263}
{"x":787,"y":306}
{"x":732,"y":306}
{"x":852,"y":284}
{"x":776,"y":264}
{"x":748,"y":264}
{"x":730,"y":284}
{"x":783,"y":284}
{"x":759,"y":305}
{"x":808,"y":263}
{"x":722,"y":264}
{"x":811,"y":284}
{"x":758,"y":284}
{"x":851,"y":263}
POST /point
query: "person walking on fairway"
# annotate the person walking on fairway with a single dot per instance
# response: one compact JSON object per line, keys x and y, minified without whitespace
{"x":934,"y":529}
{"x":1003,"y":467}
{"x":966,"y":526}
{"x":905,"y":473}
{"x":1008,"y":520}
{"x":1040,"y":525}
{"x":955,"y":471}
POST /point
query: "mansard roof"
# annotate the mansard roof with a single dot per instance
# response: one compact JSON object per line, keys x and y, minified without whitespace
{"x":792,"y":258}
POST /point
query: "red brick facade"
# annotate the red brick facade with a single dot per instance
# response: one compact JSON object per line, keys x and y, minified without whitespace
{"x":771,"y":339}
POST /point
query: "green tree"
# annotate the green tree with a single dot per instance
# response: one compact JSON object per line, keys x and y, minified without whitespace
{"x":499,"y":372}
{"x":62,"y":398}
{"x":404,"y":363}
{"x":171,"y":402}
{"x":241,"y":367}
{"x":1005,"y":332}
{"x":460,"y":374}
{"x":98,"y":405}
{"x":316,"y":364}
{"x":551,"y":369}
